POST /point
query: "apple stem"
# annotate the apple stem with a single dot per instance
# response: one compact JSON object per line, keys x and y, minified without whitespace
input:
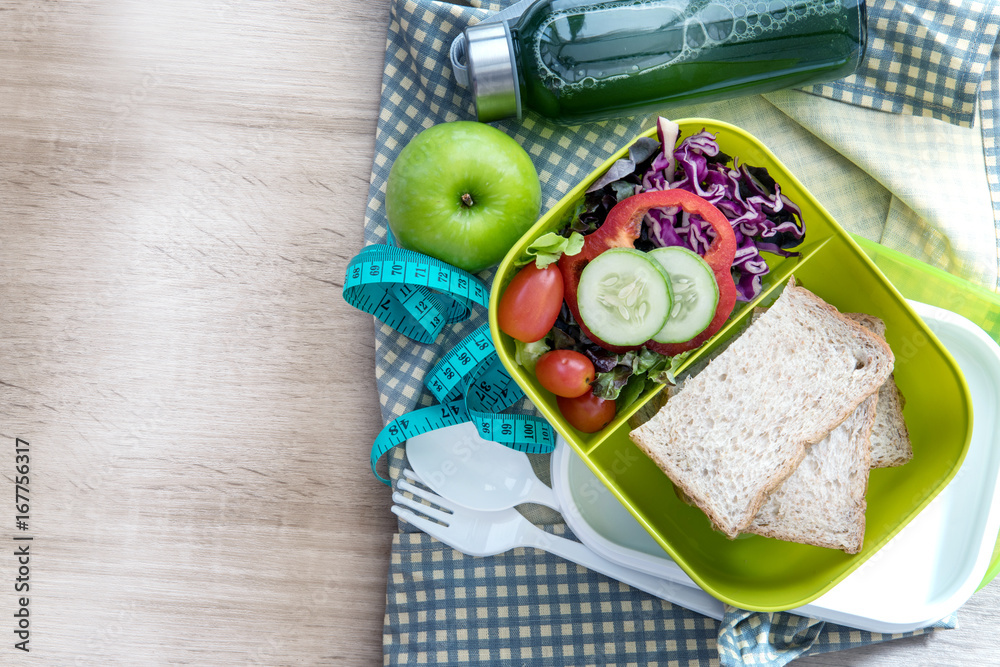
{"x":467,"y":199}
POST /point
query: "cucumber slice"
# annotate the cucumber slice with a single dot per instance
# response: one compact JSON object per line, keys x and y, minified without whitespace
{"x":624,"y":296}
{"x":696,"y":294}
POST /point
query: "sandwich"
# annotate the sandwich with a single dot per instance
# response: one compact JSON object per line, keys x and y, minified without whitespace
{"x":740,"y":428}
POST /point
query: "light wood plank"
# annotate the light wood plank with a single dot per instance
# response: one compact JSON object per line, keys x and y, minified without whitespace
{"x":183,"y":184}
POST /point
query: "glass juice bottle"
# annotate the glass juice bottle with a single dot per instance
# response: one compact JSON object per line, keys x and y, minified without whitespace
{"x":579,"y":60}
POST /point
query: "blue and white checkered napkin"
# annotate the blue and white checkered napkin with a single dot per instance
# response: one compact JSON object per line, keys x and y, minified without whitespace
{"x":926,"y":58}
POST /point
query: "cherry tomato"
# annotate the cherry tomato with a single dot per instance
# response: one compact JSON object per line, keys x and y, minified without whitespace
{"x":531,"y":303}
{"x":587,"y":413}
{"x":565,"y":372}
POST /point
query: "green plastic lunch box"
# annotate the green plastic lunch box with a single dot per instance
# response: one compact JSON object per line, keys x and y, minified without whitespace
{"x":753,"y":572}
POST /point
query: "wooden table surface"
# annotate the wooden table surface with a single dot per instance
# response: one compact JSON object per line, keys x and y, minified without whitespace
{"x":181,"y":187}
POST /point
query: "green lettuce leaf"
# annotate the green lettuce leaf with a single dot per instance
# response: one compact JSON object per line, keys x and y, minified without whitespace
{"x":548,"y":248}
{"x":631,"y":391}
{"x":528,"y":354}
{"x":609,"y":385}
{"x":665,"y":371}
{"x":626,"y":381}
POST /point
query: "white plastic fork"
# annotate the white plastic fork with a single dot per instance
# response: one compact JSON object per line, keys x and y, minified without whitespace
{"x":479,"y":533}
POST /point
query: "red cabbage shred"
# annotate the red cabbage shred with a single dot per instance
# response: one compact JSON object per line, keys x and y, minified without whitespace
{"x":762,"y":217}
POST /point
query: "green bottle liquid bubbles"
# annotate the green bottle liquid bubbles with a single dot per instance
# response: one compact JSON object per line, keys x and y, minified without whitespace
{"x":585,"y":60}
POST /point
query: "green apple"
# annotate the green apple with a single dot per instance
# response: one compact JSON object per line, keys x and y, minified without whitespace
{"x":463,"y":192}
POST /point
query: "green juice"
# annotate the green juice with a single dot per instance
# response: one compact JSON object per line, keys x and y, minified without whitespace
{"x":580,"y":61}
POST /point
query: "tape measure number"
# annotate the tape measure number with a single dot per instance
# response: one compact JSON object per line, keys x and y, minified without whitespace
{"x":414,"y":294}
{"x":472,"y":385}
{"x":418,"y":295}
{"x":473,"y":369}
{"x":401,"y":429}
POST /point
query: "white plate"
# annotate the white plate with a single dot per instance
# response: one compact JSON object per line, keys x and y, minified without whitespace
{"x":925,"y":573}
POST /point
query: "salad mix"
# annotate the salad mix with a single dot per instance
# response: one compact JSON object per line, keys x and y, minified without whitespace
{"x":647,"y":268}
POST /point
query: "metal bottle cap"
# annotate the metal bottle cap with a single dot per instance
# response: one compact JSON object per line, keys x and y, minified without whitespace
{"x":488,"y":50}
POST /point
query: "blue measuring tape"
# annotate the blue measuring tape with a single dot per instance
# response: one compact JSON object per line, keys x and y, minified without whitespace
{"x":418,"y":295}
{"x":395,"y":286}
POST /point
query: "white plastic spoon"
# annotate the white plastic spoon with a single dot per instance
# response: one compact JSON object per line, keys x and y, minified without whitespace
{"x":461,"y":466}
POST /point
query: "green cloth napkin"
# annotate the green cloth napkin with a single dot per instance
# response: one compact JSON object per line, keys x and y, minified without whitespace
{"x":922,"y":180}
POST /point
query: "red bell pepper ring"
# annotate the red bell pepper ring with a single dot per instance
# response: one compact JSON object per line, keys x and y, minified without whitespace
{"x":620,"y":230}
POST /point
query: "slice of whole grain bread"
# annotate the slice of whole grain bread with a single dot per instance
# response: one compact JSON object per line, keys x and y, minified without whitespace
{"x":739,"y":428}
{"x":890,"y":437}
{"x":823,"y":502}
